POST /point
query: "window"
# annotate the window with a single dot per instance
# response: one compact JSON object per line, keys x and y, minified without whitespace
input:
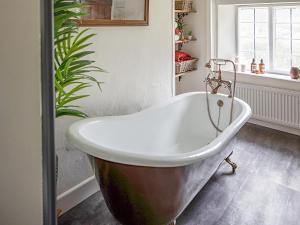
{"x":253,"y":34}
{"x":270,"y":33}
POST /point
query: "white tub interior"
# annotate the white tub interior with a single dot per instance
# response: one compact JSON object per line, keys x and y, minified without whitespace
{"x":179,"y":127}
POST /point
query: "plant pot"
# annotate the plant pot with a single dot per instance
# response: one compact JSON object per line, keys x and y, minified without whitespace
{"x":190,"y":37}
{"x":295,"y":73}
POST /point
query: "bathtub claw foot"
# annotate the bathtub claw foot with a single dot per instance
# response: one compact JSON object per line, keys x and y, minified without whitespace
{"x":231,"y":163}
{"x":173,"y":223}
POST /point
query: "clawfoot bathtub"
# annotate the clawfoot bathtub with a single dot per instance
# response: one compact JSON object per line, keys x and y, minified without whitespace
{"x":151,"y":164}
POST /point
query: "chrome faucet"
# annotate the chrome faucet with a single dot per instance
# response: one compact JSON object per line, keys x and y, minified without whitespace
{"x":214,"y":79}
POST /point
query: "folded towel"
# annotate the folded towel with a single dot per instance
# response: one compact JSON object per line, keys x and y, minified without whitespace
{"x":182,"y":56}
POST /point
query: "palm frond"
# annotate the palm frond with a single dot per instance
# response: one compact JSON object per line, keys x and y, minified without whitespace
{"x":73,"y":71}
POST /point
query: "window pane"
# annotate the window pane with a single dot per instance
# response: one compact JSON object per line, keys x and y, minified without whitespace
{"x":246,"y":58}
{"x":296,"y":47}
{"x":262,"y":44}
{"x":296,"y":61}
{"x":282,"y":62}
{"x":246,"y":29}
{"x":261,"y":15}
{"x":296,"y":31}
{"x":246,"y":44}
{"x":296,"y":15}
{"x":282,"y":59}
{"x":262,"y":35}
{"x":253,"y":35}
{"x":283,"y":31}
{"x":282,"y":15}
{"x":282,"y":47}
{"x":246,"y":15}
{"x":261,"y":30}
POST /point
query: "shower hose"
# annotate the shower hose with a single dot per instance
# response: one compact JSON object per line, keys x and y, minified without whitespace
{"x":215,"y":61}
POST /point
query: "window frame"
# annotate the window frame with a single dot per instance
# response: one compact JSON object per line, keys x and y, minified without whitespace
{"x":272,"y":34}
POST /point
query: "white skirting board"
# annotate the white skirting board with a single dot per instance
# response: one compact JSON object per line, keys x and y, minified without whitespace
{"x":274,"y":126}
{"x":77,"y":194}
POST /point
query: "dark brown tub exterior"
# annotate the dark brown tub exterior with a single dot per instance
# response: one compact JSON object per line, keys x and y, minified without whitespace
{"x":138,"y":195}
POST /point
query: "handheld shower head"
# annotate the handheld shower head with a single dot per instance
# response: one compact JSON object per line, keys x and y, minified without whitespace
{"x":216,"y":82}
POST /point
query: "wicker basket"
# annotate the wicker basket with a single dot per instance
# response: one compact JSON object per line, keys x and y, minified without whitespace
{"x":185,"y":5}
{"x":185,"y":66}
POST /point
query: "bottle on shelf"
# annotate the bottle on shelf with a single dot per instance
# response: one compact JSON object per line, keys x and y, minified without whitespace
{"x":253,"y":66}
{"x":262,"y":67}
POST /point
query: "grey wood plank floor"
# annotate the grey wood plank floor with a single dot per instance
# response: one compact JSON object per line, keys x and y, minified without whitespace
{"x":264,"y":191}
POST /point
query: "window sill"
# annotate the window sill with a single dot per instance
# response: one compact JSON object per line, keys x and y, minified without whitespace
{"x":268,"y":80}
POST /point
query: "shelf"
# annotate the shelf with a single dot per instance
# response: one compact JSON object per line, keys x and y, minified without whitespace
{"x":185,"y":73}
{"x":185,"y":11}
{"x":185,"y":41}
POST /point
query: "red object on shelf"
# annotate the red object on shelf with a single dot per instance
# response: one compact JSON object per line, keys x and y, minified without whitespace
{"x":182,"y":56}
{"x":178,"y":31}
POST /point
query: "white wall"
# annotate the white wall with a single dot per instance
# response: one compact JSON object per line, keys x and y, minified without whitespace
{"x":139,"y":64}
{"x":20,"y":115}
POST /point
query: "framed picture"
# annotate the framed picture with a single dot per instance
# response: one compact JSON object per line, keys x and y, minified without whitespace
{"x":115,"y":13}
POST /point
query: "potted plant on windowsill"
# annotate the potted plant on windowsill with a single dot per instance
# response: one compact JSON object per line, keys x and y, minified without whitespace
{"x":72,"y":70}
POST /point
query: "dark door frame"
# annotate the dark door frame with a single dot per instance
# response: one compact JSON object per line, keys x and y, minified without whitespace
{"x":48,"y":113}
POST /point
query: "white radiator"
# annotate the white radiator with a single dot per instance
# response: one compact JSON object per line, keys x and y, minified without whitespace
{"x":272,"y":105}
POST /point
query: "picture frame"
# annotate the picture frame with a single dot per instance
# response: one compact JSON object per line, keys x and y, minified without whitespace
{"x":115,"y":13}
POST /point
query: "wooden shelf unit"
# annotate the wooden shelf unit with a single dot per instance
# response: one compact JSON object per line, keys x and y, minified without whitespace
{"x":185,"y":11}
{"x":185,"y":41}
{"x":185,"y":73}
{"x":180,"y":14}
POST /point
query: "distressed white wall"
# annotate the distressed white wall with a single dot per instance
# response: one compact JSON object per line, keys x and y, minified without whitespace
{"x":139,"y":65}
{"x":20,"y":113}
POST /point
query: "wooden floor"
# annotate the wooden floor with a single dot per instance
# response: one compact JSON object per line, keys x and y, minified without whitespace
{"x":264,"y":191}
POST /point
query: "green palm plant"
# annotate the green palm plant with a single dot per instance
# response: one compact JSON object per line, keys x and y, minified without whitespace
{"x":72,"y":68}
